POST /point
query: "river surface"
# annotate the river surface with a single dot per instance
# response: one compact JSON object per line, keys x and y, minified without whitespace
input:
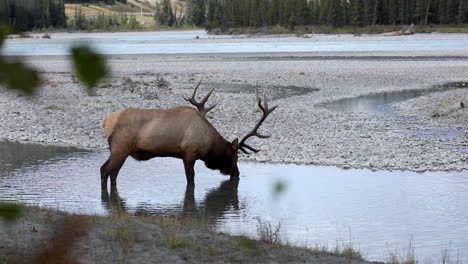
{"x":378,"y":211}
{"x":382,"y":102}
{"x":186,"y":42}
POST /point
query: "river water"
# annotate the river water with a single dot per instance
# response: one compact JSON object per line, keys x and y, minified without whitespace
{"x":382,"y":102}
{"x":378,"y":211}
{"x":185,"y":42}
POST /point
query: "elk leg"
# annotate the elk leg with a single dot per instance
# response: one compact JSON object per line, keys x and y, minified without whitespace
{"x":111,"y":168}
{"x":105,"y":174}
{"x":189,"y":200}
{"x":189,"y":171}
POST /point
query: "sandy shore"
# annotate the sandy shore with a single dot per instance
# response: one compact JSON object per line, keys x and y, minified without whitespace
{"x":303,"y":131}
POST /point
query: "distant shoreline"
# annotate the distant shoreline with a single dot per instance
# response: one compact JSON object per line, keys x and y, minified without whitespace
{"x":301,"y":30}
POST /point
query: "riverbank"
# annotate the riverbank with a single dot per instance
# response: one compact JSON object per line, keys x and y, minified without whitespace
{"x":44,"y":235}
{"x":302,"y":31}
{"x":303,"y":132}
{"x":305,"y":30}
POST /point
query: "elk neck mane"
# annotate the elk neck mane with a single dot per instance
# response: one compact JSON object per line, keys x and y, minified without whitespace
{"x":218,"y":158}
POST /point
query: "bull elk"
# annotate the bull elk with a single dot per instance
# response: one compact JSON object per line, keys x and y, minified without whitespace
{"x":179,"y":132}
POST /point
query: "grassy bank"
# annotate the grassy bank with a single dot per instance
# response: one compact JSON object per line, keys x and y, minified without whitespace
{"x":44,"y":235}
{"x":300,"y":30}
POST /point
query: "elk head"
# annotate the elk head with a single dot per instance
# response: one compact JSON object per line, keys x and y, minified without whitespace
{"x":227,"y":163}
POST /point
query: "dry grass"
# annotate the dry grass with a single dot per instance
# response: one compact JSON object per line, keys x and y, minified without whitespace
{"x":349,"y":252}
{"x":245,"y":242}
{"x":88,"y":10}
{"x":267,"y":233}
{"x":93,"y":10}
{"x":59,"y":249}
{"x":172,"y":239}
{"x":125,"y":236}
{"x":345,"y":250}
{"x":179,"y":222}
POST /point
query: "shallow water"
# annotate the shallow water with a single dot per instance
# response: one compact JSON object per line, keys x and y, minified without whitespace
{"x":382,"y":105}
{"x":380,"y":211}
{"x":149,"y":43}
{"x":382,"y":102}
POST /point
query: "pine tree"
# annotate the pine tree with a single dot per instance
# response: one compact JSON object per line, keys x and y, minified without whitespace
{"x":392,"y":12}
{"x":346,"y":12}
{"x":402,"y":11}
{"x":255,"y":19}
{"x":420,"y":11}
{"x":442,"y":13}
{"x":164,"y":14}
{"x":302,"y":12}
{"x":324,"y":9}
{"x":210,"y":15}
{"x":462,"y":12}
{"x":79,"y":21}
{"x":196,"y":12}
{"x":335,"y":13}
{"x":4,"y":12}
{"x":452,"y":9}
{"x":312,"y":17}
{"x":359,"y":13}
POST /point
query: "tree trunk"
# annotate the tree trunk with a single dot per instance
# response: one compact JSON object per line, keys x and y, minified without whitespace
{"x":427,"y":12}
{"x":374,"y":16}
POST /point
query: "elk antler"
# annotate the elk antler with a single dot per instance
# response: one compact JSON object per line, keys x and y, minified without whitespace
{"x":266,"y":111}
{"x":201,"y":105}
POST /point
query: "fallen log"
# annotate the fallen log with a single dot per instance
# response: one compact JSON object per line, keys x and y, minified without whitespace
{"x":405,"y":31}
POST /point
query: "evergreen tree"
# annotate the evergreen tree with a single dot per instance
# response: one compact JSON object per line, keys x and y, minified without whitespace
{"x":359,"y":13}
{"x":210,"y":18}
{"x":313,"y":13}
{"x":26,"y":14}
{"x":402,"y":11}
{"x":375,"y":9}
{"x":462,"y":12}
{"x":196,"y":12}
{"x":255,"y":14}
{"x":79,"y":20}
{"x":324,"y":9}
{"x":260,"y":13}
{"x":273,"y":12}
{"x":164,"y":14}
{"x":335,"y":13}
{"x":302,"y":12}
{"x":452,"y":9}
{"x":420,"y":11}
{"x":442,"y":12}
{"x":392,"y":12}
{"x":289,"y":16}
{"x":4,"y":12}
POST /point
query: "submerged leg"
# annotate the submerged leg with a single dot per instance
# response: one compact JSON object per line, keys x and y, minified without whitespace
{"x":189,"y":200}
{"x":189,"y":162}
{"x":111,"y":168}
{"x":104,"y":174}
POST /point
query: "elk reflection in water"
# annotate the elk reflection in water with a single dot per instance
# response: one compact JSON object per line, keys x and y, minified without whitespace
{"x":215,"y":204}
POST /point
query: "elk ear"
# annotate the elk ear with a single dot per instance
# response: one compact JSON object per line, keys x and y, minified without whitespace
{"x":235,"y":143}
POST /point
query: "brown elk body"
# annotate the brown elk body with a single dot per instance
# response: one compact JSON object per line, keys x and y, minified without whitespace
{"x":180,"y":132}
